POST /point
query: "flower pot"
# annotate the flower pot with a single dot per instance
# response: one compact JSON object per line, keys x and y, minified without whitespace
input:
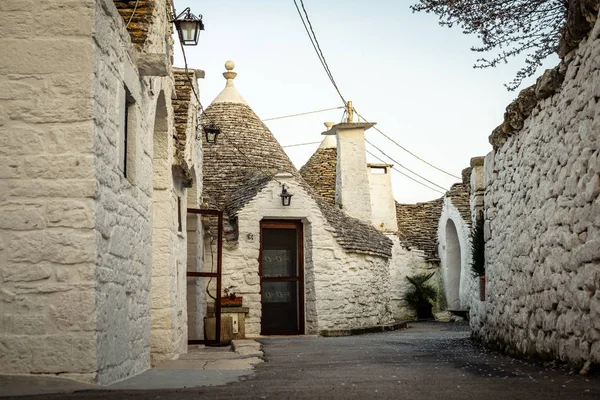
{"x":231,"y":302}
{"x":424,"y":311}
{"x":482,"y":288}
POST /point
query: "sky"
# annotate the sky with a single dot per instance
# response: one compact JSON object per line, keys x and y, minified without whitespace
{"x":401,"y":70}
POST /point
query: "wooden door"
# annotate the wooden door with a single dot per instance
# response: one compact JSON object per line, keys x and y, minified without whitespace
{"x":282,"y":277}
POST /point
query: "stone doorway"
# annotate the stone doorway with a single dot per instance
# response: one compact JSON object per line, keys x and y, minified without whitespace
{"x":282,"y":277}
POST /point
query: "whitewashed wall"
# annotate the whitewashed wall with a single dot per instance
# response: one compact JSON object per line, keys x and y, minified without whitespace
{"x":342,"y":290}
{"x":543,"y":225}
{"x":460,"y":288}
{"x":47,"y":190}
{"x":75,"y":233}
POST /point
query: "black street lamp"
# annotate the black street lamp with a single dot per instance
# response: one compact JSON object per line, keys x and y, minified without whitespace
{"x":188,"y":27}
{"x":286,"y":197}
{"x":210,"y":133}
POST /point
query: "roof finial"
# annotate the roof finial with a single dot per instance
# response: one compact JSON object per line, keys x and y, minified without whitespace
{"x":229,"y":75}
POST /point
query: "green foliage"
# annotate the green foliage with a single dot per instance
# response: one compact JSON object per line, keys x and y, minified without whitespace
{"x":420,"y":292}
{"x":478,"y":248}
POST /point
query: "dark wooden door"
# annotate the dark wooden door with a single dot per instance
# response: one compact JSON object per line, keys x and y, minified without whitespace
{"x":282,"y":277}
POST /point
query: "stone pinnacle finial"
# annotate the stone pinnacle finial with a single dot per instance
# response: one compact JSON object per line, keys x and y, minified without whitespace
{"x":328,"y":125}
{"x":229,"y":75}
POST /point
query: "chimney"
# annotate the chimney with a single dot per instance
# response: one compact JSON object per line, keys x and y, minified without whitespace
{"x":382,"y":198}
{"x":352,"y":189}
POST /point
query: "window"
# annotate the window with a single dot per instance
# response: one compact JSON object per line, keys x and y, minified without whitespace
{"x":126,"y":139}
{"x":179,"y":212}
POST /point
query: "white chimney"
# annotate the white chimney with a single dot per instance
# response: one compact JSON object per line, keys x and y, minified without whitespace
{"x":383,"y":205}
{"x":352,"y":188}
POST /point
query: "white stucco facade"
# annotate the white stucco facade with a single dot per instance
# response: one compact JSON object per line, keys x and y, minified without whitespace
{"x":383,"y":206}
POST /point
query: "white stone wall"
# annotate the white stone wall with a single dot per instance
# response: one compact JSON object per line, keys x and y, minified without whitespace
{"x":352,"y":181}
{"x":383,"y":206}
{"x":460,"y":287}
{"x":75,"y":232}
{"x":543,"y":225}
{"x":342,"y":290}
{"x":47,"y":190}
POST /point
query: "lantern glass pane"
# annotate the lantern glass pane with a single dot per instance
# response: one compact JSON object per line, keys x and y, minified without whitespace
{"x":188,"y":30}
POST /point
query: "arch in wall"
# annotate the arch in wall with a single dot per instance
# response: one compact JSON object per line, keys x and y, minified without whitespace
{"x":162,"y":183}
{"x":453,"y":266}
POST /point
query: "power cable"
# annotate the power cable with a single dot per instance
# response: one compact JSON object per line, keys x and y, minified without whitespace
{"x":304,"y":113}
{"x":132,"y":14}
{"x":300,"y":144}
{"x":409,"y":177}
{"x":411,"y":171}
{"x":316,"y":46}
{"x":408,"y":151}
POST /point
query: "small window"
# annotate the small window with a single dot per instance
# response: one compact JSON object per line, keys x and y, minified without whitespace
{"x":126,"y":139}
{"x":179,"y":215}
{"x":379,"y":170}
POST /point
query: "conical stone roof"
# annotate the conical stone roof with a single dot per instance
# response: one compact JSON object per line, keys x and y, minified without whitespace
{"x":320,"y":170}
{"x":247,"y":156}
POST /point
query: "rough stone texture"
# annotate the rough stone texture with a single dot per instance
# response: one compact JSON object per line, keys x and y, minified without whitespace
{"x":319,"y":173}
{"x":460,"y":195}
{"x":47,"y":189}
{"x":75,"y":232}
{"x":417,"y":226}
{"x":543,"y":225}
{"x":138,"y":13}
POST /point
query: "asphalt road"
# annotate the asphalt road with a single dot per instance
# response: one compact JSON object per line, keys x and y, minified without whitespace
{"x":425,"y":361}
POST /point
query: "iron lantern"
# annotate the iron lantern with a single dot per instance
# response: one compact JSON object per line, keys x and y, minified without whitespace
{"x":286,"y":197}
{"x":188,"y":27}
{"x":210,"y":133}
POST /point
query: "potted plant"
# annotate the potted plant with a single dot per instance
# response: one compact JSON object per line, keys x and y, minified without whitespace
{"x":478,"y":254}
{"x":230,"y":299}
{"x":421,"y":295}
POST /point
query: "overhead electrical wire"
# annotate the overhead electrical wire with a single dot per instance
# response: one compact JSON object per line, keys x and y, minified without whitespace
{"x":409,"y":177}
{"x":301,"y":114}
{"x":406,"y":150}
{"x":411,"y":171}
{"x":315,"y":43}
{"x":202,"y":110}
{"x":300,"y":144}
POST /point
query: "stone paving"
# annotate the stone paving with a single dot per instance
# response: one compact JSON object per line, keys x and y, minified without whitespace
{"x":201,"y":366}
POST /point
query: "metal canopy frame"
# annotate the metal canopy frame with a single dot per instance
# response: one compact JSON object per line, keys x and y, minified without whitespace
{"x":218,"y":274}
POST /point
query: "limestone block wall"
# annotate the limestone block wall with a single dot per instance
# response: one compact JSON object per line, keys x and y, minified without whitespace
{"x":47,"y":190}
{"x":543,"y":225}
{"x":342,"y":290}
{"x":460,"y":287}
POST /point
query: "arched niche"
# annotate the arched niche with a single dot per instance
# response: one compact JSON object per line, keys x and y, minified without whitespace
{"x":453,"y":266}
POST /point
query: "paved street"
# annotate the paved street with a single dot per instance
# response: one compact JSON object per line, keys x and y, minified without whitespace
{"x":425,"y":361}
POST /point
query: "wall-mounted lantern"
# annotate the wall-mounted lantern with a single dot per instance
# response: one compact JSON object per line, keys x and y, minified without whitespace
{"x":188,"y":27}
{"x":286,"y":197}
{"x":211,"y":132}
